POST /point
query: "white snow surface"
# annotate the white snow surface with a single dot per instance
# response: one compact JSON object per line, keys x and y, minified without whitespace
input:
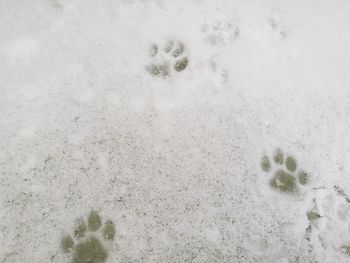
{"x":174,"y":162}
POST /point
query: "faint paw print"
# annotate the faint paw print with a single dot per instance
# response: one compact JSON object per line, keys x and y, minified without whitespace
{"x":286,"y":178}
{"x":220,"y":74}
{"x":277,"y":24}
{"x":88,"y":247}
{"x":220,"y":33}
{"x":170,"y":56}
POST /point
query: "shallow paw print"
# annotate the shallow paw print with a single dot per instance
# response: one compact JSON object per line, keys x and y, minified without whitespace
{"x":277,"y":27}
{"x":220,"y":74}
{"x":167,"y":58}
{"x":86,"y":245}
{"x":286,"y":178}
{"x":220,"y":33}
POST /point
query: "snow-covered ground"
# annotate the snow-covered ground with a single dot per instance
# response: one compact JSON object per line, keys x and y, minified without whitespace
{"x":168,"y":119}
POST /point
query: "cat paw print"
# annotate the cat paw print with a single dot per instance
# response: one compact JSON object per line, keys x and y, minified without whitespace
{"x":220,"y":33}
{"x":86,"y":243}
{"x":276,"y":27}
{"x":286,"y":178}
{"x":218,"y":73}
{"x":167,"y":58}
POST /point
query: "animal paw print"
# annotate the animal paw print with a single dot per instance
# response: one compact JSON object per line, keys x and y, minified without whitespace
{"x":219,"y":73}
{"x":171,"y":56}
{"x":87,"y":247}
{"x":277,"y":25}
{"x":220,"y":33}
{"x":277,"y":28}
{"x":286,"y":178}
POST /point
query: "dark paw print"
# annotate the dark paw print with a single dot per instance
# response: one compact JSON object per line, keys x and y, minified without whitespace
{"x":86,"y":245}
{"x":286,"y":177}
{"x":171,"y":56}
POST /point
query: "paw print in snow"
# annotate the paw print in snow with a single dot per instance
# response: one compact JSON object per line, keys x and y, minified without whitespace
{"x":286,"y":178}
{"x":171,"y":56}
{"x":277,"y":25}
{"x":218,"y":73}
{"x":220,"y":33}
{"x":88,"y":247}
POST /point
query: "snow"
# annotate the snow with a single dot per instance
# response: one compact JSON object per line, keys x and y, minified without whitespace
{"x":174,"y":161}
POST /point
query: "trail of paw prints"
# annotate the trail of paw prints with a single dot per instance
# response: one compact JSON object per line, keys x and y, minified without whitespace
{"x":220,"y":33}
{"x":86,"y":243}
{"x":285,"y":175}
{"x":171,"y":56}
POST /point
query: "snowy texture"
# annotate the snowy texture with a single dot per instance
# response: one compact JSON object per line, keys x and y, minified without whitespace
{"x":165,"y":119}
